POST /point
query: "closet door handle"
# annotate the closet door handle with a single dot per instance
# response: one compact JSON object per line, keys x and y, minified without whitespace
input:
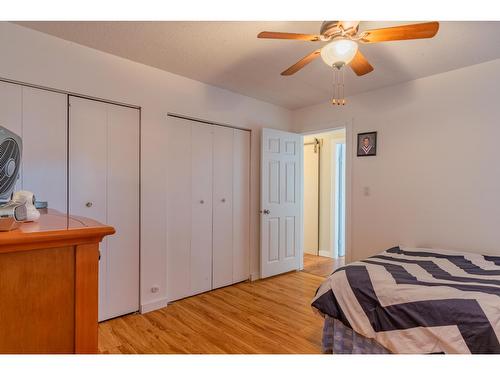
{"x":265,"y":212}
{"x":88,"y":204}
{"x":223,"y":200}
{"x":202,"y":201}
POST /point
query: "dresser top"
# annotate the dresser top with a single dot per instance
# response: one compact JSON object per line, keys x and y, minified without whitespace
{"x":53,"y":229}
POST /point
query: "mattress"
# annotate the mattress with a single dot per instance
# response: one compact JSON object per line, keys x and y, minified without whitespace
{"x":418,"y":300}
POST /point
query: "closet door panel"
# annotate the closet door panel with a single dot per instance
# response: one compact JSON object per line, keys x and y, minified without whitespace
{"x":88,"y":173}
{"x":11,"y":107}
{"x":45,"y":146}
{"x":88,"y":158}
{"x":201,"y":208}
{"x":179,"y":204}
{"x":241,"y":206}
{"x":11,"y":113}
{"x":223,"y":207}
{"x":122,"y":256}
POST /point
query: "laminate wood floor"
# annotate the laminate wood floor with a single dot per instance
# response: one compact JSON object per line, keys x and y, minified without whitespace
{"x":321,"y":266}
{"x":266,"y":316}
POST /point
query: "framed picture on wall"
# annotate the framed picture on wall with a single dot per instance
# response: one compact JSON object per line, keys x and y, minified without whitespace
{"x":367,"y":144}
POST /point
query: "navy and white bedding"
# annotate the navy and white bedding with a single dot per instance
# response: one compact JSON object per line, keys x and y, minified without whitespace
{"x":418,"y":300}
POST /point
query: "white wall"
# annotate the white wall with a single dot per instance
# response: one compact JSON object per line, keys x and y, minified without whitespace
{"x":41,"y":59}
{"x":436,"y":178}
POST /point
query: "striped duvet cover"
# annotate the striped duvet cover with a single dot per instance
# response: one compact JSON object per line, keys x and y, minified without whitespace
{"x":418,"y":300}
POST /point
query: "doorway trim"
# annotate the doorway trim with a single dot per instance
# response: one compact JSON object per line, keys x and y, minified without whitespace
{"x":347,"y":125}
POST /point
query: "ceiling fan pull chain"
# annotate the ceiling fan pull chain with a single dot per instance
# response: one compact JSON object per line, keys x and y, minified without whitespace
{"x":343,"y":77}
{"x":334,"y":85}
{"x":338,"y":86}
{"x":341,"y":86}
{"x":337,"y":91}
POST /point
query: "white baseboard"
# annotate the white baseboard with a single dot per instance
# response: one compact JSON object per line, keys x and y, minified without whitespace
{"x":254,"y":276}
{"x":325,"y":253}
{"x":153,"y":305}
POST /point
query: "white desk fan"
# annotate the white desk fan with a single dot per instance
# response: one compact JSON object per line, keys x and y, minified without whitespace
{"x":11,"y":212}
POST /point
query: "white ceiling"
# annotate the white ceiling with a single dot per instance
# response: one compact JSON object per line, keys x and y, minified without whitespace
{"x":229,"y":55}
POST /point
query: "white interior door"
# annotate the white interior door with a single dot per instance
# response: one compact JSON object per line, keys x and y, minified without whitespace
{"x":222,"y":206}
{"x":122,"y":255}
{"x":45,"y":146}
{"x":201,"y":208}
{"x":178,"y":208}
{"x":280,"y":201}
{"x":189,"y":208}
{"x":208,"y":206}
{"x":39,"y":118}
{"x":11,"y":114}
{"x":104,"y":185}
{"x":88,"y":160}
{"x":87,"y":173}
{"x":241,"y":205}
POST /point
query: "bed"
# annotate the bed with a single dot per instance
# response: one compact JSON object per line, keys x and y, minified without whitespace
{"x":407,"y":300}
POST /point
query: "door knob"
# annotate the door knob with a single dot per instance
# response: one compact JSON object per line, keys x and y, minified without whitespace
{"x":266,"y":212}
{"x":202,"y":201}
{"x":223,"y":200}
{"x":88,"y":204}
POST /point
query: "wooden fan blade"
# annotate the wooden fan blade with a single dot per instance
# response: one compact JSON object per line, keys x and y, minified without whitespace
{"x":415,"y":31}
{"x":301,"y":63}
{"x":360,"y":64}
{"x":294,"y":36}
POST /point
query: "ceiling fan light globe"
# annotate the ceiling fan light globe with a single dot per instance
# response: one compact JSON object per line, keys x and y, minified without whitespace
{"x":339,"y":52}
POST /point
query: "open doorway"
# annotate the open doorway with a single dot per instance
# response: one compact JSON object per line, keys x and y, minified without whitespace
{"x":324,"y":201}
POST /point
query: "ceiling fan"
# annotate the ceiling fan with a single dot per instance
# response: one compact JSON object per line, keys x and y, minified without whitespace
{"x":342,"y":49}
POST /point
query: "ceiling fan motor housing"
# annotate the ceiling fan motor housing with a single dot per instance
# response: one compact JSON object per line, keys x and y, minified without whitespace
{"x":329,"y":29}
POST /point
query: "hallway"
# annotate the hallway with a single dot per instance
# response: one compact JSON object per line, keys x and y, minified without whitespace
{"x":321,"y":266}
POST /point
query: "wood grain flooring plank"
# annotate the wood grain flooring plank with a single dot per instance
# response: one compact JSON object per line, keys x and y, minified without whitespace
{"x":266,"y":316}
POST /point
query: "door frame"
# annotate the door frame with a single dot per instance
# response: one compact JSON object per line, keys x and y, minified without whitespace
{"x":333,"y":195}
{"x":347,"y":125}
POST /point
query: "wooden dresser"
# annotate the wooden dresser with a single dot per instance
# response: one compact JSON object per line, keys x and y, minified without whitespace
{"x":49,"y":285}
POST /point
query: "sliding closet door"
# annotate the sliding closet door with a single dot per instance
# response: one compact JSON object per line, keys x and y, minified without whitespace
{"x":122,"y":256}
{"x":178,"y":209}
{"x":11,"y":104}
{"x":87,"y":174}
{"x":201,"y":208}
{"x":11,"y":112}
{"x":241,"y":205}
{"x":104,"y":185}
{"x":189,"y":208}
{"x":88,"y":160}
{"x":223,"y":207}
{"x":45,"y":146}
{"x":208,"y":207}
